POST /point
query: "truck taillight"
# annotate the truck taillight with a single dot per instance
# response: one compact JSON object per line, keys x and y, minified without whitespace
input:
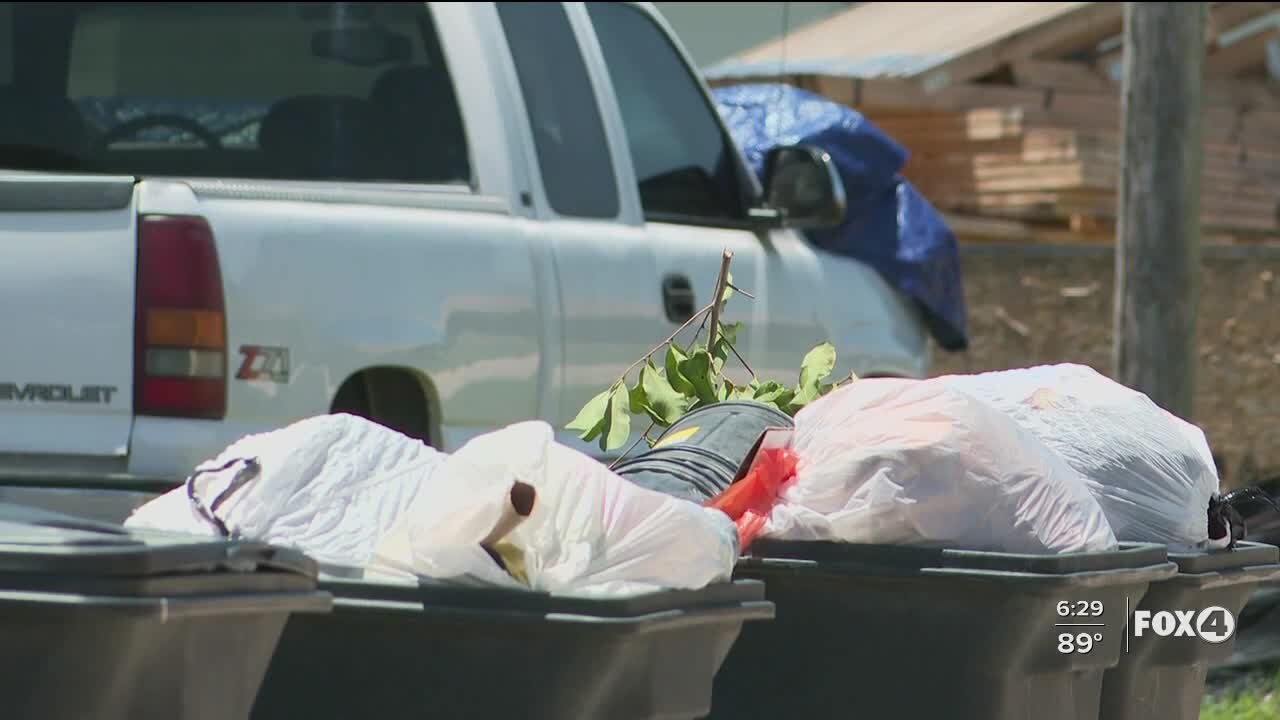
{"x":180,"y":335}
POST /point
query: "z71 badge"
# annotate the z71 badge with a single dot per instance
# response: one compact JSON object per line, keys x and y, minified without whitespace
{"x":262,"y":362}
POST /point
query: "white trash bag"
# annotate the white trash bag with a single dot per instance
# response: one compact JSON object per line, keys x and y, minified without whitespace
{"x":1151,"y":471}
{"x":350,"y":492}
{"x":590,"y":533}
{"x":914,"y":462}
{"x":329,"y":485}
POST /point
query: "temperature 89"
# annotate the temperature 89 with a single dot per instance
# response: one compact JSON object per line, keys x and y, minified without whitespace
{"x":1080,"y":643}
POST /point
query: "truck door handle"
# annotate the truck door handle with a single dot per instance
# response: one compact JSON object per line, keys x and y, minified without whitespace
{"x":677,"y":298}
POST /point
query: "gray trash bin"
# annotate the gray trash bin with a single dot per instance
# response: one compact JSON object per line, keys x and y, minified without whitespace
{"x":101,"y":622}
{"x":882,"y":631}
{"x":405,"y":651}
{"x":1162,"y":677}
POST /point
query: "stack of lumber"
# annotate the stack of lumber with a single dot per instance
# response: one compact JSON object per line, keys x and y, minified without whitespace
{"x":1030,"y":149}
{"x":1046,"y":161}
{"x":1037,"y":167}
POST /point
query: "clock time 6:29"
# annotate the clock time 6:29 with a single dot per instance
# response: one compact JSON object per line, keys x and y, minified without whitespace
{"x":1080,"y":608}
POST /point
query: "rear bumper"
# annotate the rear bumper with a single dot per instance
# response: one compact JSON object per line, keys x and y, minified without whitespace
{"x":104,"y":504}
{"x":162,"y":453}
{"x":75,"y":487}
{"x":71,"y":480}
{"x":173,"y":447}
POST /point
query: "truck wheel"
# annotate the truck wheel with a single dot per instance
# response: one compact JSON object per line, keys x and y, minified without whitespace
{"x":390,"y":397}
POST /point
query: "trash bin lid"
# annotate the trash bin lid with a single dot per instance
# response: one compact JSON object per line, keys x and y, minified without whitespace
{"x":429,"y":597}
{"x":1244,"y":555}
{"x":898,"y":560}
{"x":34,"y":541}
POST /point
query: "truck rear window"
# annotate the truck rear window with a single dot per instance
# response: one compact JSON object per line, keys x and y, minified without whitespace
{"x":305,"y":91}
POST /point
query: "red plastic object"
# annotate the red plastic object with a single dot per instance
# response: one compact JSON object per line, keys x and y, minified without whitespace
{"x":749,"y":501}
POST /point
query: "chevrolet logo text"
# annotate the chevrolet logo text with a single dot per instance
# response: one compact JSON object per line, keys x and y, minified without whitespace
{"x":41,"y":393}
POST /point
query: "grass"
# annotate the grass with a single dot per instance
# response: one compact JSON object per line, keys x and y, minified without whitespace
{"x":1251,"y":696}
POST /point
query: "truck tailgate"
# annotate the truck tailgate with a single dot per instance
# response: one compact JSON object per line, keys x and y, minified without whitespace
{"x":67,"y":266}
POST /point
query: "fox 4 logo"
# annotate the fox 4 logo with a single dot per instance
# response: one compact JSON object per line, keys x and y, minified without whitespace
{"x":1212,"y":624}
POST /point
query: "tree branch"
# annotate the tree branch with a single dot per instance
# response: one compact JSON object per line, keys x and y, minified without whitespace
{"x":721,"y":280}
{"x":664,"y":343}
{"x":741,"y":359}
{"x":643,"y":436}
{"x":698,"y":333}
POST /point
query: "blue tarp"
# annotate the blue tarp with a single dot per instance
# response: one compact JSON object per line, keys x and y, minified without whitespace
{"x":889,"y":225}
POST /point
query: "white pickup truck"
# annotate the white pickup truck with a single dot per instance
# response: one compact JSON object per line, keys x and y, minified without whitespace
{"x":219,"y":218}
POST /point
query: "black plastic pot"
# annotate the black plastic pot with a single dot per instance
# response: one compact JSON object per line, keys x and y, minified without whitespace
{"x":1259,"y":510}
{"x":1162,"y":678}
{"x":398,"y":651}
{"x":705,"y":451}
{"x":99,"y":622}
{"x":876,"y":631}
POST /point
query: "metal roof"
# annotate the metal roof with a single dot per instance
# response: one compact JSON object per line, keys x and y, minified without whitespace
{"x":892,"y":39}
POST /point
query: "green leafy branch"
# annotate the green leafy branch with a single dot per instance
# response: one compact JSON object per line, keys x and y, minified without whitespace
{"x":693,"y":376}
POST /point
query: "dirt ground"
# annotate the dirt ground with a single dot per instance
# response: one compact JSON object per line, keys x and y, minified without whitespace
{"x":1032,"y":304}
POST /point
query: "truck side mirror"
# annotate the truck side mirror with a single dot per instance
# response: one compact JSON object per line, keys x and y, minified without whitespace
{"x":801,"y":184}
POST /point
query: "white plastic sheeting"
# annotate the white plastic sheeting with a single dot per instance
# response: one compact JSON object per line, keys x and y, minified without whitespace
{"x":1152,"y":472}
{"x":591,"y":533}
{"x":330,"y":485}
{"x":919,"y":463}
{"x":350,"y":492}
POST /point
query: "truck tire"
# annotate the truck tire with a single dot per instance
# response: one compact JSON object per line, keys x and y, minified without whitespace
{"x":390,"y":397}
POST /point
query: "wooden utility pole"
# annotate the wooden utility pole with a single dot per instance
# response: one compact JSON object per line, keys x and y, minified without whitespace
{"x":1158,"y":244}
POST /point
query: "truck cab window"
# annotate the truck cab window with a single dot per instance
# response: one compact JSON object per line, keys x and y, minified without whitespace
{"x":564,"y":114}
{"x":6,"y":41}
{"x":683,"y":162}
{"x":269,"y":90}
